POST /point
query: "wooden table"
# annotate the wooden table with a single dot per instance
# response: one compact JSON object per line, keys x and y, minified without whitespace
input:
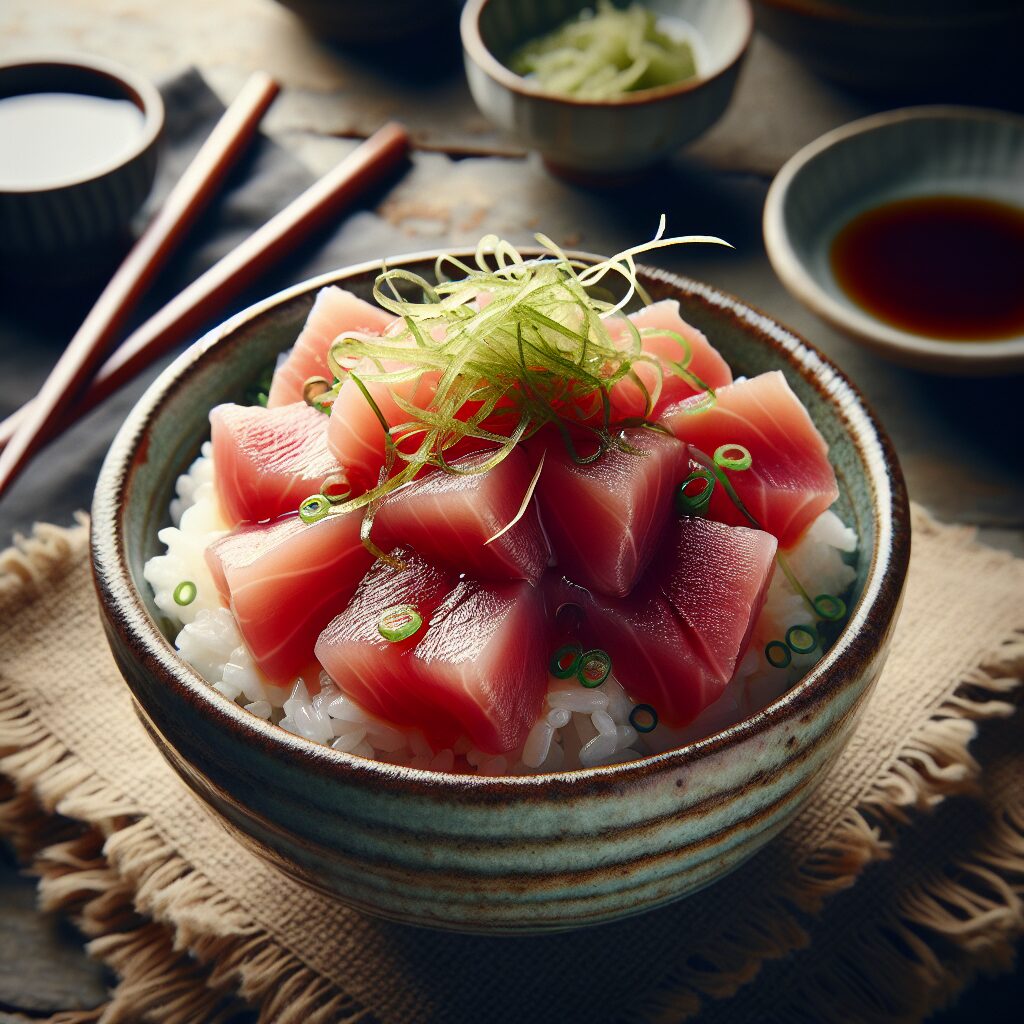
{"x":956,"y":439}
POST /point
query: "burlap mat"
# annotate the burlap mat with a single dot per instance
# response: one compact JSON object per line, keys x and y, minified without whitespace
{"x":866,"y":909}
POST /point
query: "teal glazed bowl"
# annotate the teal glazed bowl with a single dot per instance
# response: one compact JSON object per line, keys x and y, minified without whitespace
{"x":493,"y":855}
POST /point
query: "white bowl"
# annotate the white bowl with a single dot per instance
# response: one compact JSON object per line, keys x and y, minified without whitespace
{"x":602,"y":137}
{"x":917,"y":151}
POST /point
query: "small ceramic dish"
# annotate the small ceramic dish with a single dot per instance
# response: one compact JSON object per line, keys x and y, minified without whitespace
{"x":55,"y":217}
{"x":900,"y":154}
{"x":949,"y":50}
{"x":512,"y":854}
{"x":595,"y":138}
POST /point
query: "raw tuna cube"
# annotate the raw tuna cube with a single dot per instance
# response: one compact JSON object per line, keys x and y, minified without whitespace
{"x":604,"y":518}
{"x":268,"y":460}
{"x":705,"y":363}
{"x":790,"y":481}
{"x":334,"y":312}
{"x":477,"y":665}
{"x":354,"y":433}
{"x":448,"y":518}
{"x":285,"y":581}
{"x":676,"y":640}
{"x":375,"y":672}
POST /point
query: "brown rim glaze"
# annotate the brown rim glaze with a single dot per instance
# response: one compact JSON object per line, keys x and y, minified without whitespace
{"x":74,"y":73}
{"x":871,"y":619}
{"x":475,"y":46}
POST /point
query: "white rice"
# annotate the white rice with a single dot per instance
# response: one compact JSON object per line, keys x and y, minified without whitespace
{"x":577,"y":727}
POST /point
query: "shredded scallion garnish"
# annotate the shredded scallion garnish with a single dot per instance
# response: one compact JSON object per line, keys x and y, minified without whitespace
{"x":565,"y":661}
{"x":801,"y":639}
{"x":643,"y":718}
{"x":399,"y":622}
{"x":594,"y":668}
{"x":693,"y":495}
{"x":778,"y":654}
{"x":733,"y":456}
{"x":314,"y":508}
{"x":511,"y":346}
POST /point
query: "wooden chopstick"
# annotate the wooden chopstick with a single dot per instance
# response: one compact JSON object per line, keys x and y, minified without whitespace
{"x":98,"y":332}
{"x":192,"y":308}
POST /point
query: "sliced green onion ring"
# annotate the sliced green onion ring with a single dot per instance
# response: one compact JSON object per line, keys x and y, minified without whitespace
{"x":801,"y":639}
{"x":565,"y":661}
{"x":830,"y":607}
{"x":777,"y":654}
{"x":185,"y":593}
{"x":733,"y":456}
{"x":690,"y":502}
{"x":569,"y":617}
{"x":336,"y":488}
{"x":594,"y":668}
{"x":643,"y":718}
{"x":314,"y":508}
{"x":399,"y":622}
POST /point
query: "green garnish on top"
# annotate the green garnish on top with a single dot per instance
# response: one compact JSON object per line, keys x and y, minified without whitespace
{"x":515,"y":345}
{"x":605,"y":53}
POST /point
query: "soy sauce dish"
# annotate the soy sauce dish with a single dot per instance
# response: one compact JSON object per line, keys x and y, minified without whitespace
{"x":79,"y":154}
{"x":461,"y":846}
{"x":905,"y":231}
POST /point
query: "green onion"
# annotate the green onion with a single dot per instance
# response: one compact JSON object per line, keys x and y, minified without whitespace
{"x":336,"y":488}
{"x":594,"y":668}
{"x":399,"y":622}
{"x":801,"y":639}
{"x":565,"y":661}
{"x":691,"y":502}
{"x":777,"y":654}
{"x":733,"y":456}
{"x":569,"y":617}
{"x":314,"y":508}
{"x":643,"y":718}
{"x":185,"y":593}
{"x":830,"y":607}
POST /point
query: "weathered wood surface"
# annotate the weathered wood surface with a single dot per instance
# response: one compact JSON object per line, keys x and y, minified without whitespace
{"x":956,"y":439}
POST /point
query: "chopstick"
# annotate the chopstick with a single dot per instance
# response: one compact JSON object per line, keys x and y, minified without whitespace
{"x":94,"y":338}
{"x":369,"y":163}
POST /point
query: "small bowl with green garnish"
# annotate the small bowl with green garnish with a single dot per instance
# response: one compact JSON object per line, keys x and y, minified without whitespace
{"x":604,"y":90}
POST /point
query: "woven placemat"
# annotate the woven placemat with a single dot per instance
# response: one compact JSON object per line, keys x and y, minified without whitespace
{"x":877,"y":904}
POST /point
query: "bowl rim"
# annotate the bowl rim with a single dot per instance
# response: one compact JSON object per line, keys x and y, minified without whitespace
{"x":870,"y":622}
{"x":136,"y":88}
{"x":476,"y":49}
{"x":951,"y":354}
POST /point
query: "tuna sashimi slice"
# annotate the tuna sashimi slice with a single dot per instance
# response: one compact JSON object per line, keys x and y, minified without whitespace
{"x":676,"y":640}
{"x":284,"y":581}
{"x":334,"y":312}
{"x":355,"y":434}
{"x":374,"y":672}
{"x":477,"y":666}
{"x":448,"y":518}
{"x":604,"y":518}
{"x":705,"y":362}
{"x":790,"y":481}
{"x":268,"y":460}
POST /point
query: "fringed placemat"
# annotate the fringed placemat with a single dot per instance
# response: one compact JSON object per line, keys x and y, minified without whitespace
{"x":878,"y":903}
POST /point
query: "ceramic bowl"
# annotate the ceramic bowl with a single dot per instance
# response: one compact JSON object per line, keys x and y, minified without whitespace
{"x":602,"y":137}
{"x":921,"y":50}
{"x":82,"y":212}
{"x":917,"y":151}
{"x":495,"y":855}
{"x":356,"y":22}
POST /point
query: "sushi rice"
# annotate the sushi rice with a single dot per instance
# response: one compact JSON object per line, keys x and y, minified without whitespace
{"x":576,"y":728}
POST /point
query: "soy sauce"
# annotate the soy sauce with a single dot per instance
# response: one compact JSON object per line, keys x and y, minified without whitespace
{"x":947,"y":267}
